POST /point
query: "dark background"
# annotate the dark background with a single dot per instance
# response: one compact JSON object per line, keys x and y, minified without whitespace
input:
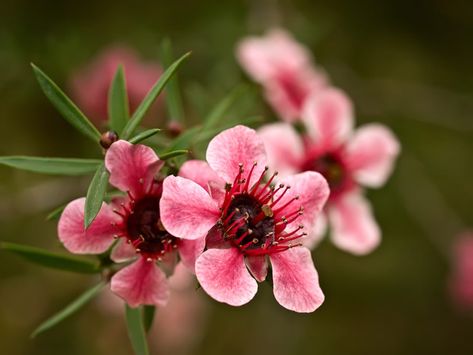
{"x":404,"y":63}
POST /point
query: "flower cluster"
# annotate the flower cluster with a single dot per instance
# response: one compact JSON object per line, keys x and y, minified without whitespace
{"x":347,"y":159}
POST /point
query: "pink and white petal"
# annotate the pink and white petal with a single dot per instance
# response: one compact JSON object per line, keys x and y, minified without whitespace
{"x":354,"y":228}
{"x":123,"y":251}
{"x":311,"y":240}
{"x":223,"y":275}
{"x":190,"y":250}
{"x":141,"y":283}
{"x":284,"y":148}
{"x":168,"y":262}
{"x":295,"y":280}
{"x":234,"y":146}
{"x":371,"y":154}
{"x":312,"y":191}
{"x":96,"y":239}
{"x":214,"y":239}
{"x":132,"y":167}
{"x":200,"y":172}
{"x":187,"y":210}
{"x":328,"y":116}
{"x":258,"y":266}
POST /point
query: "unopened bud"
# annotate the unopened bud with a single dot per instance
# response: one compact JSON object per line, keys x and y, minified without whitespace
{"x":108,"y":138}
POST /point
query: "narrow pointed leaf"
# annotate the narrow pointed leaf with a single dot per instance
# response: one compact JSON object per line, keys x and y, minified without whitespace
{"x":136,"y":330}
{"x":118,"y":110}
{"x":52,"y":260}
{"x":140,"y":112}
{"x":65,"y":106}
{"x":184,"y":140}
{"x":69,"y":310}
{"x":173,"y":97}
{"x":54,"y":166}
{"x":95,"y":195}
{"x":148,"y":317}
{"x":144,"y":135}
{"x":173,"y":154}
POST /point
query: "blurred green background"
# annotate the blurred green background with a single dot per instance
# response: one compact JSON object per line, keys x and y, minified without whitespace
{"x":406,"y":64}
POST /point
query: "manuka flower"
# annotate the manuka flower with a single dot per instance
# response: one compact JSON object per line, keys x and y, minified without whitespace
{"x":135,"y":221}
{"x":285,"y":70}
{"x":90,"y":85}
{"x":249,"y":223}
{"x":461,"y":279}
{"x":347,"y":159}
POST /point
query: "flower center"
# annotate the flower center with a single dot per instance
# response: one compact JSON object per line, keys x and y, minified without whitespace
{"x":143,"y":229}
{"x":254,"y":218}
{"x":332,"y":168}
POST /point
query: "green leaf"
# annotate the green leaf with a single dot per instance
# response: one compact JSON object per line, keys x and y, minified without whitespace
{"x":173,"y":154}
{"x":222,"y":107}
{"x":148,"y":317}
{"x":136,"y":330}
{"x":173,"y":98}
{"x":144,"y":135}
{"x":69,"y":310}
{"x":118,"y":102}
{"x":140,"y":112}
{"x":56,"y":213}
{"x":55,"y":166}
{"x":184,"y":140}
{"x":95,"y":195}
{"x":52,"y":260}
{"x":65,"y":106}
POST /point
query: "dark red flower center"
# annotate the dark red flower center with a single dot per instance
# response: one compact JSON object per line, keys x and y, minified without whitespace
{"x":143,"y":228}
{"x":254,"y":218}
{"x":333,"y":169}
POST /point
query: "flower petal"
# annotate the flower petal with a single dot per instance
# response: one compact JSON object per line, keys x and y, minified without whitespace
{"x":328,"y":116}
{"x":313,"y":238}
{"x":234,"y":146}
{"x":313,"y":191}
{"x":201,"y":173}
{"x":295,"y":280}
{"x":258,"y":266}
{"x":223,"y":275}
{"x":123,"y":251}
{"x":187,"y":210}
{"x":190,"y":250}
{"x":283,"y":146}
{"x":371,"y":154}
{"x":141,"y":283}
{"x":132,"y":167}
{"x":353,"y":226}
{"x":96,"y":239}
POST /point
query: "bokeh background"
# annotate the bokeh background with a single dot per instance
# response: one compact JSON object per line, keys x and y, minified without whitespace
{"x":406,"y":64}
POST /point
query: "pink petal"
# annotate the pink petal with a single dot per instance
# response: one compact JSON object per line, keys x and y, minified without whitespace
{"x":353,"y":226}
{"x":223,"y":275}
{"x":96,"y":239}
{"x":123,"y":251}
{"x":234,"y":146}
{"x":132,"y":167}
{"x":201,"y":173}
{"x":190,"y":250}
{"x":313,"y":191}
{"x":141,"y":283}
{"x":371,"y":154}
{"x":328,"y":116}
{"x":258,"y":266}
{"x":168,"y":262}
{"x":295,"y":280}
{"x":284,"y":148}
{"x":187,"y":210}
{"x":318,"y":232}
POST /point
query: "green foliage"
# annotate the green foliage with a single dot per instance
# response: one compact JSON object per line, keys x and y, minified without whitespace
{"x":52,"y":260}
{"x":54,"y":166}
{"x":136,"y":330}
{"x":65,"y":106}
{"x":118,"y":110}
{"x":148,"y":316}
{"x":95,"y":195}
{"x":144,"y":135}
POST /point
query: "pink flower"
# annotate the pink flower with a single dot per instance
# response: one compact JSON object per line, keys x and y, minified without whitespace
{"x":90,"y":84}
{"x":135,"y":221}
{"x":285,"y":70}
{"x":248,"y":223}
{"x":347,"y":159}
{"x":461,"y":280}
